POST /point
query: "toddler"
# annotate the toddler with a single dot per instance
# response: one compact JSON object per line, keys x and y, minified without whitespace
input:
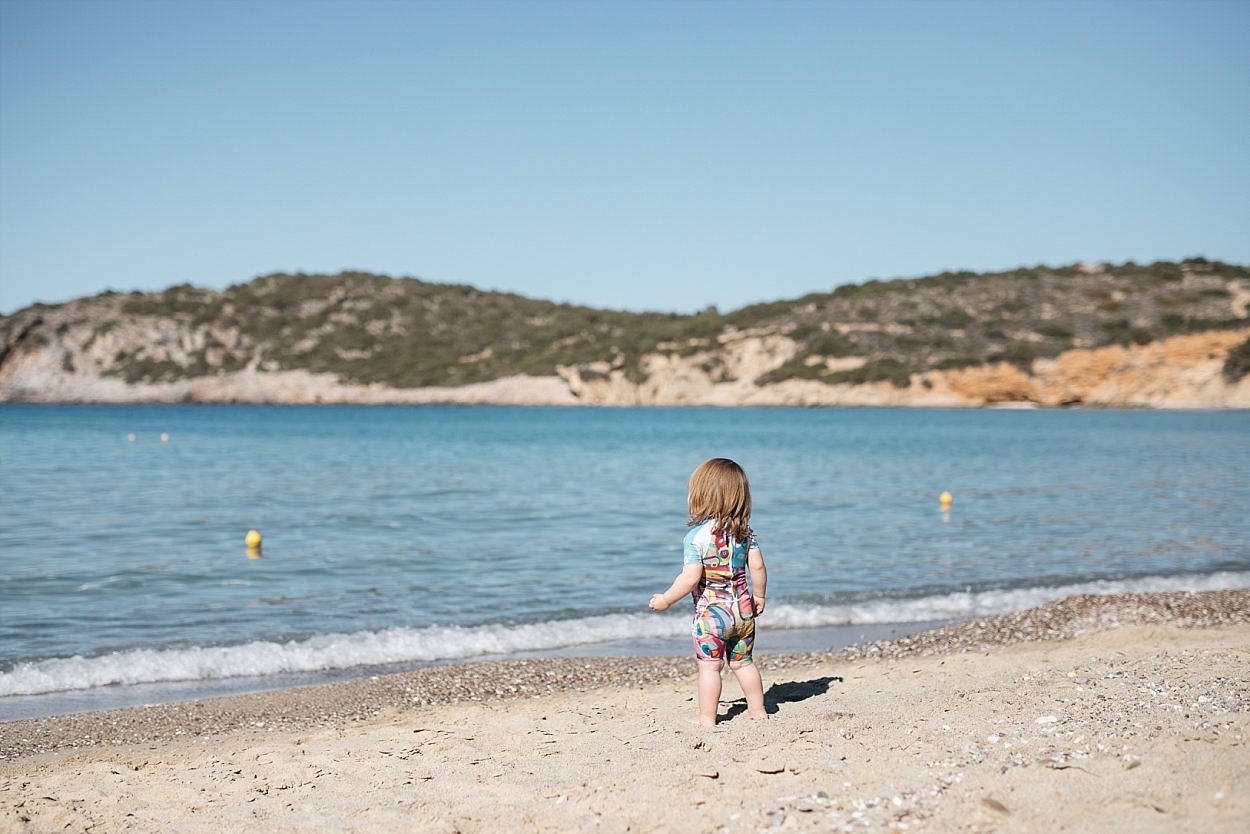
{"x":717,"y":554}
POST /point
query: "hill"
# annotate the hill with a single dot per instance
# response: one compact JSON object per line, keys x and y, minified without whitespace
{"x":358,"y":337}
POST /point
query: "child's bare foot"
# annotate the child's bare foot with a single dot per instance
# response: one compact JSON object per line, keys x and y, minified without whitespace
{"x":702,"y":721}
{"x":757,"y":715}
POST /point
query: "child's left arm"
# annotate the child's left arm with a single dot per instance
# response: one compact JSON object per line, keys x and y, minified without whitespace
{"x":759,"y":578}
{"x":682,"y":585}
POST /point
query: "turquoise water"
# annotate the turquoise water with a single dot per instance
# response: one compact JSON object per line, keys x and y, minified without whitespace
{"x":400,"y":535}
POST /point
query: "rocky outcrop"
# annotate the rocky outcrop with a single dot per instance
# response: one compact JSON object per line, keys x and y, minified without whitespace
{"x":1181,"y":372}
{"x":66,"y":354}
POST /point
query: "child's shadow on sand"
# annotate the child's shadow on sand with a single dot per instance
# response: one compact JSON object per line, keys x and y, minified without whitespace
{"x":785,"y":693}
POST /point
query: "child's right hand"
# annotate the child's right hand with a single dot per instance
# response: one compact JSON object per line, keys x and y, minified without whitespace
{"x":657,"y":602}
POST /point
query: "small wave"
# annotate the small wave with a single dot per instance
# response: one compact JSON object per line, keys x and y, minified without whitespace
{"x":966,"y":605}
{"x":450,"y":643}
{"x":325,"y":653}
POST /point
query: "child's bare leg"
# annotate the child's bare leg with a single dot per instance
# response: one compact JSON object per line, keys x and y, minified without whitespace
{"x":752,"y":687}
{"x":709,"y":691}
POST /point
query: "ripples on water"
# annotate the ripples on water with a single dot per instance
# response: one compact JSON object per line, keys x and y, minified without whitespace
{"x":378,"y":518}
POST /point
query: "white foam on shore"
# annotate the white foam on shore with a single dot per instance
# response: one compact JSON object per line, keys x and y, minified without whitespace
{"x":450,"y":643}
{"x":967,"y":605}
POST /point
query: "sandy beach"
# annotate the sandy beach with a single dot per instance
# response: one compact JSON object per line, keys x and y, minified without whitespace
{"x":1124,"y":713}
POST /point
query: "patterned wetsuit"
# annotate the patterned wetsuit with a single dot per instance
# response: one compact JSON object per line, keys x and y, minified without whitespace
{"x":724,"y":627}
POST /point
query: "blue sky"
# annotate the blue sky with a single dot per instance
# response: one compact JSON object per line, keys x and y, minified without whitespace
{"x":641,"y":155}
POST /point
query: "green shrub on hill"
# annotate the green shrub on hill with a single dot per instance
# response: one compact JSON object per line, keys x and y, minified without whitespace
{"x":1237,"y":365}
{"x":886,"y":369}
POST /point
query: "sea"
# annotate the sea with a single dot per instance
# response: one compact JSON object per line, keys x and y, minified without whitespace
{"x":400,"y":537}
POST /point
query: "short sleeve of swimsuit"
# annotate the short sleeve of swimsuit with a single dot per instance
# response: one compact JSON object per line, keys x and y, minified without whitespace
{"x":698,"y":541}
{"x":696,"y":544}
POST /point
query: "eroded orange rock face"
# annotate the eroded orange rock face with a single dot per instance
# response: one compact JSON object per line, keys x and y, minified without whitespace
{"x":1181,"y":372}
{"x":992,"y":384}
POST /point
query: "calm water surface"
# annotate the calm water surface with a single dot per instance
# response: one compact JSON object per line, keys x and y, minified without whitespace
{"x":415,"y":534}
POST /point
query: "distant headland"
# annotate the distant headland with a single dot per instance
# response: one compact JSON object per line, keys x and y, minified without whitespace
{"x":1161,"y":335}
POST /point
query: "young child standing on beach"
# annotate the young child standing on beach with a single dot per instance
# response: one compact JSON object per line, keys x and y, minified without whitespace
{"x":717,"y":555}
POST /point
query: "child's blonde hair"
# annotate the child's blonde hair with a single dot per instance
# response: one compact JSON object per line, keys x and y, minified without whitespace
{"x":719,"y":491}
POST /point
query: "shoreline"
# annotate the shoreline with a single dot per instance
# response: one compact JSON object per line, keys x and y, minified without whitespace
{"x":359,"y":699}
{"x":1126,"y":713}
{"x":804,"y":640}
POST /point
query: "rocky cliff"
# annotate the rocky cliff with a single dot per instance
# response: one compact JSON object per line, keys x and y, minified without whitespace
{"x":1180,"y":372}
{"x":1163,"y":336}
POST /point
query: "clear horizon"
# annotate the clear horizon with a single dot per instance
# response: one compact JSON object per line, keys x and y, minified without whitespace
{"x":649,"y":156}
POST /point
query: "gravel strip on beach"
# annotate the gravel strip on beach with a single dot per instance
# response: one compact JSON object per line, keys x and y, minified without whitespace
{"x":342,"y":704}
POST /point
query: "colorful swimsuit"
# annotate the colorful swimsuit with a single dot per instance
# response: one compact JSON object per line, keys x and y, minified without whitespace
{"x":724,"y":625}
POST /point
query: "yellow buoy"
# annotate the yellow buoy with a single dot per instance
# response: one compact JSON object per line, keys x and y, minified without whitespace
{"x":253,"y":539}
{"x":945,"y":499}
